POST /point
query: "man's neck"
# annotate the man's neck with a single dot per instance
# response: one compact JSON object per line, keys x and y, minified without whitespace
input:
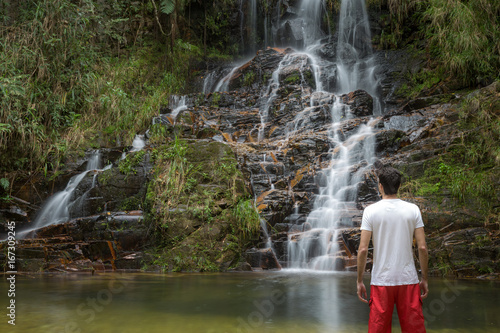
{"x":392,"y":196}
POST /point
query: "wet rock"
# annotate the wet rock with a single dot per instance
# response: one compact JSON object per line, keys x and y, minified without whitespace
{"x":423,"y":102}
{"x":360,"y":103}
{"x":328,"y":51}
{"x":291,"y":33}
{"x":390,"y":141}
{"x":263,"y":258}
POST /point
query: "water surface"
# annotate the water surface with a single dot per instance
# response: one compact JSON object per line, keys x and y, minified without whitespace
{"x":233,"y":302}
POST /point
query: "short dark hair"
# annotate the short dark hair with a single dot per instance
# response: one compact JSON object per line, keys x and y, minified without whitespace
{"x":390,"y":179}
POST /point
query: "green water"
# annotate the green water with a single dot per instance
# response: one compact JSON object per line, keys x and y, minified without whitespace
{"x":235,"y":302}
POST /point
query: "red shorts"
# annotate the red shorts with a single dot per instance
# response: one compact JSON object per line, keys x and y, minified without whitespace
{"x":408,"y":303}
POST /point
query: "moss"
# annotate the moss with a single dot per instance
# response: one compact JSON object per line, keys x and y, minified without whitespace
{"x":216,"y":97}
{"x":293,"y":79}
{"x":248,"y":79}
{"x":127,"y":165}
{"x":196,"y":200}
{"x":132,"y":203}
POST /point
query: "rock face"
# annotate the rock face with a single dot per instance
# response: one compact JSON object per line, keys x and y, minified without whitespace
{"x":100,"y":242}
{"x":270,"y":140}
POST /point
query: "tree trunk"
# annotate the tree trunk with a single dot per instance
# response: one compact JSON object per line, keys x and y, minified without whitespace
{"x":205,"y":34}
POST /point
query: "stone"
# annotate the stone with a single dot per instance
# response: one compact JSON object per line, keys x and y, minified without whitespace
{"x":360,"y":103}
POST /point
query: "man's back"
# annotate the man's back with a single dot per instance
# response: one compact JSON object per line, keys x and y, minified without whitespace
{"x":392,"y":223}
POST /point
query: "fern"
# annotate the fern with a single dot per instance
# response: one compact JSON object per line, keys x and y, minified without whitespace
{"x":167,"y":6}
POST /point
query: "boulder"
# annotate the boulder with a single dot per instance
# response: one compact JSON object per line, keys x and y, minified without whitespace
{"x":359,"y":102}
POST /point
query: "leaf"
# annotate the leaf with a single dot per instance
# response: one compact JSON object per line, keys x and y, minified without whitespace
{"x":4,"y":182}
{"x":263,"y":195}
{"x":272,"y":130}
{"x":167,"y":6}
{"x":274,"y":157}
{"x":261,"y":207}
{"x":296,"y":180}
{"x":170,"y":120}
{"x":228,"y":137}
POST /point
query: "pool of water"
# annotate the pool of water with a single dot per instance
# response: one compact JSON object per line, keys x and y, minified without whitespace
{"x":234,"y":302}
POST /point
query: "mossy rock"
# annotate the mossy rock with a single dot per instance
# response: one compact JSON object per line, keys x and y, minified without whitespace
{"x":193,"y":222}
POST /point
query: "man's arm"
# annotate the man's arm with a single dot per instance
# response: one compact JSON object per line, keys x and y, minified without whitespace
{"x":423,"y":257}
{"x":362,"y":255}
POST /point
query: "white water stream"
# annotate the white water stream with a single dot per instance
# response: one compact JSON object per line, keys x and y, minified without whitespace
{"x":57,"y":209}
{"x":317,"y":247}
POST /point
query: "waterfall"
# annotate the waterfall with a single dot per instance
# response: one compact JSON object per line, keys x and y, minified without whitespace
{"x":138,"y":144}
{"x":355,"y":62}
{"x":316,"y":247}
{"x":57,"y":208}
{"x":63,"y":205}
{"x":178,"y":105}
{"x":208,"y":82}
{"x":248,"y":26}
{"x":270,"y":94}
{"x":223,"y":84}
{"x":312,"y":14}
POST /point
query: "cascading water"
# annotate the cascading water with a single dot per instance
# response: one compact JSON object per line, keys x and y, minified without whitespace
{"x":57,"y":208}
{"x":208,"y":82}
{"x":138,"y":144}
{"x":223,"y":84}
{"x":61,"y":207}
{"x":178,"y":105}
{"x":317,"y":247}
{"x":312,"y":14}
{"x":248,"y":26}
{"x":355,"y":62}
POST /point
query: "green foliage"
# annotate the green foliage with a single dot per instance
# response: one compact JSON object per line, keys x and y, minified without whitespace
{"x":464,"y":37}
{"x":248,"y":79}
{"x":131,"y":203}
{"x":461,"y":36}
{"x":247,"y":218}
{"x":468,"y":170}
{"x":479,"y":118}
{"x":127,"y":166}
{"x":293,"y":79}
{"x":75,"y":76}
{"x":167,"y":6}
{"x":216,"y":99}
{"x":420,"y":83}
{"x":4,"y":183}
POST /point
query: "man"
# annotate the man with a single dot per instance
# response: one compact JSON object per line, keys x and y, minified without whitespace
{"x":393,"y":223}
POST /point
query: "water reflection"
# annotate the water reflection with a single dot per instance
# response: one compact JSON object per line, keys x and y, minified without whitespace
{"x":290,"y":301}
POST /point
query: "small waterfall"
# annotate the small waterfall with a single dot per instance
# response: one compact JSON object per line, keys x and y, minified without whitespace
{"x":63,"y":206}
{"x":57,"y":208}
{"x":355,"y":62}
{"x":138,"y":144}
{"x":94,"y":161}
{"x":270,"y":96}
{"x":178,"y":105}
{"x":312,"y":12}
{"x":223,"y":84}
{"x":208,"y":82}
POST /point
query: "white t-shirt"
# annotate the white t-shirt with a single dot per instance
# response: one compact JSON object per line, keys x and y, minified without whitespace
{"x":392,"y":223}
